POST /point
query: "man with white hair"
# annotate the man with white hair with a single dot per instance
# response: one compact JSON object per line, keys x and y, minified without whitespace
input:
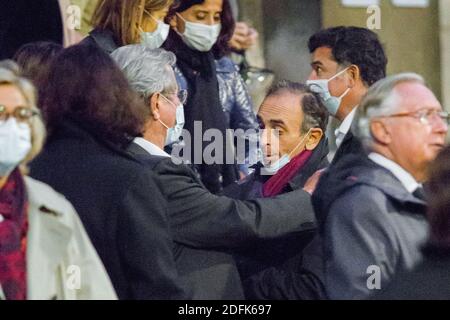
{"x":373,"y":223}
{"x":205,"y":226}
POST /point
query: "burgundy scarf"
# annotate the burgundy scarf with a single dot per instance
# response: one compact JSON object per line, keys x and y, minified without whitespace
{"x":278,"y":181}
{"x":13,"y":235}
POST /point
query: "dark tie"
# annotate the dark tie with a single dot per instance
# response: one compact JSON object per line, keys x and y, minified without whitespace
{"x":419,"y":193}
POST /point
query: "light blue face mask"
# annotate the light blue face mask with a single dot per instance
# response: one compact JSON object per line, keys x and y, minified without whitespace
{"x":154,"y":40}
{"x":200,"y":36}
{"x":284,"y":160}
{"x":15,"y":143}
{"x":173,"y":134}
{"x":322,"y":88}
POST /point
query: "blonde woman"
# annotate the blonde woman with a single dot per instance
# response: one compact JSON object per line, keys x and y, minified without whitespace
{"x":118,"y":23}
{"x":44,"y":250}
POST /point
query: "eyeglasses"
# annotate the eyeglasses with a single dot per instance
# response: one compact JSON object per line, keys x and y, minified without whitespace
{"x":22,"y":114}
{"x":425,"y":116}
{"x":181,"y":94}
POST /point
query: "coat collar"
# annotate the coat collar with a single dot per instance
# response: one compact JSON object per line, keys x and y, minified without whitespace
{"x":317,"y":161}
{"x":104,"y":39}
{"x":382,"y":179}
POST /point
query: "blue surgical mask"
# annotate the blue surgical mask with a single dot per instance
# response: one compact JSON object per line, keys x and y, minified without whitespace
{"x":173,"y":134}
{"x":321,"y":87}
{"x":200,"y":36}
{"x":154,"y":40}
{"x":282,"y":161}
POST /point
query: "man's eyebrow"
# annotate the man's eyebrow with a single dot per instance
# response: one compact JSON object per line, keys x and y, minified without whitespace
{"x":277,"y":122}
{"x":316,"y":63}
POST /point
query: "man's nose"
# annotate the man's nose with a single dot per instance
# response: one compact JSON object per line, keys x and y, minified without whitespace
{"x":441,"y":125}
{"x":312,"y":75}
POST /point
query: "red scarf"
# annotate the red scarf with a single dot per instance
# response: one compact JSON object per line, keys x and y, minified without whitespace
{"x":278,"y":181}
{"x":13,"y":232}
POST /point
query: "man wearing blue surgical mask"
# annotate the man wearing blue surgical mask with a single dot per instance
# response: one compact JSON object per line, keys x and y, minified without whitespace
{"x":162,"y":97}
{"x":346,"y":61}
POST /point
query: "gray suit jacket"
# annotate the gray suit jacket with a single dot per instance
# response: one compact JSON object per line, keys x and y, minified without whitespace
{"x":206,"y":226}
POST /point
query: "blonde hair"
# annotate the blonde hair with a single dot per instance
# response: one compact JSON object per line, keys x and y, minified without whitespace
{"x":10,"y":75}
{"x":124,"y":18}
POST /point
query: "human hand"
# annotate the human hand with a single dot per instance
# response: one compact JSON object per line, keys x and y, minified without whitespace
{"x":311,"y":183}
{"x":243,"y":37}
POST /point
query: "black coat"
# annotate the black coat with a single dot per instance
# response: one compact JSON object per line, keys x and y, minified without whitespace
{"x":104,"y":39}
{"x":120,"y":206}
{"x":216,"y":224}
{"x":253,"y":259}
{"x":428,"y":281}
{"x":350,"y":144}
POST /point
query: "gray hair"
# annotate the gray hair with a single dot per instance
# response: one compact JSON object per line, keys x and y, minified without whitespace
{"x":380,"y":100}
{"x":9,"y":75}
{"x":147,"y":70}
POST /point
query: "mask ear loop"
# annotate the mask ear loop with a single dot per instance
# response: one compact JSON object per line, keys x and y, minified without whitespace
{"x":337,"y":75}
{"x":298,"y":144}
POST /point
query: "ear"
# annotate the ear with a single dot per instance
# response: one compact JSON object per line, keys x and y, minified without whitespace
{"x":315,"y":136}
{"x":355,"y":75}
{"x":380,"y":133}
{"x":154,"y":106}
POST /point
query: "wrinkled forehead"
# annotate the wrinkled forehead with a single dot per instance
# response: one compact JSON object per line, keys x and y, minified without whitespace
{"x":285,"y":106}
{"x":412,"y":96}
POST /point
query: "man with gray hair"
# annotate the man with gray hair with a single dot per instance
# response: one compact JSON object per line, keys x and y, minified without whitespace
{"x":204,"y":226}
{"x":373,"y":223}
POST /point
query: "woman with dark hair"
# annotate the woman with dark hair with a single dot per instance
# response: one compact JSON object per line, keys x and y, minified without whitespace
{"x":217,"y":96}
{"x":35,"y":59}
{"x":92,"y":115}
{"x":430,"y":280}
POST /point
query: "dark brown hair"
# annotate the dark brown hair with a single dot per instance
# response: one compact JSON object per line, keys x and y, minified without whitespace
{"x":35,"y":59}
{"x":85,"y":85}
{"x":314,"y":111}
{"x":439,"y":200}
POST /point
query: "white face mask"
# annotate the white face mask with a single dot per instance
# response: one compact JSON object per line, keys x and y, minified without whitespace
{"x":284,"y":160}
{"x":200,"y":36}
{"x":322,"y":88}
{"x":15,"y":144}
{"x":154,"y":40}
{"x":173,"y":134}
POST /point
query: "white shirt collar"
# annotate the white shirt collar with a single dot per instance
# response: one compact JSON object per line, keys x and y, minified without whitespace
{"x":401,"y":174}
{"x":347,"y":123}
{"x":150,"y":147}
